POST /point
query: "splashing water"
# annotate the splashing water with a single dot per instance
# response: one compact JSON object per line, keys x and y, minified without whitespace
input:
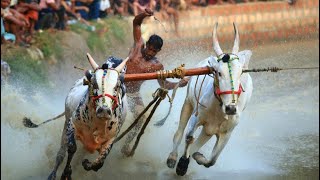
{"x":277,"y":135}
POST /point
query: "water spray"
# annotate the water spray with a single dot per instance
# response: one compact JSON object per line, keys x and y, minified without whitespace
{"x":161,"y":24}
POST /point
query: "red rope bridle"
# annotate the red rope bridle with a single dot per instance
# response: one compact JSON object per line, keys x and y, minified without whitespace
{"x":113,"y":97}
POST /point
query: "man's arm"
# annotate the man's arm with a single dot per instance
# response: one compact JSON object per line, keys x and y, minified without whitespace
{"x":171,"y":85}
{"x":137,"y":21}
{"x":17,"y":18}
{"x":32,"y":6}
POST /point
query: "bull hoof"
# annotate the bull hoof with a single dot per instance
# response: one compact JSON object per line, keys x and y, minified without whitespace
{"x":171,"y":163}
{"x":97,"y":166}
{"x":52,"y":176}
{"x":172,"y":160}
{"x":66,"y":175}
{"x":196,"y":156}
{"x":87,"y":165}
{"x":182,"y":166}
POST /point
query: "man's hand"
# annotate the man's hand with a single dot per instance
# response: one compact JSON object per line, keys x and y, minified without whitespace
{"x":183,"y":82}
{"x":149,"y":12}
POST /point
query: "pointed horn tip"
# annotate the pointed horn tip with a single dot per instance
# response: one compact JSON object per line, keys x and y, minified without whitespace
{"x":28,"y":123}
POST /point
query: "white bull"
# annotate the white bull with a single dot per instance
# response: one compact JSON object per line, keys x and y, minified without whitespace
{"x":213,"y":102}
{"x":95,"y":110}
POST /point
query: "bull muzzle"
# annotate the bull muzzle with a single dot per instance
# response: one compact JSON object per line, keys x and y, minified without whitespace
{"x":103,"y":112}
{"x":231,"y":109}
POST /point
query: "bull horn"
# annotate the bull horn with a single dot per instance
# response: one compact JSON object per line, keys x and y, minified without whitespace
{"x":216,"y":46}
{"x":92,"y":62}
{"x":121,"y":66}
{"x":235,"y":48}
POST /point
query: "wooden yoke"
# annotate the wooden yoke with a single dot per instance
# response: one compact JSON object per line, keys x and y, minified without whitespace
{"x":179,"y":72}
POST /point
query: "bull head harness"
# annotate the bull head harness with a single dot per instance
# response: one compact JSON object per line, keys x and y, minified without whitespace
{"x":217,"y":91}
{"x":114,"y":97}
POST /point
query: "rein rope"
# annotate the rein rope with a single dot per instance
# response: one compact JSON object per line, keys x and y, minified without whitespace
{"x":159,"y":95}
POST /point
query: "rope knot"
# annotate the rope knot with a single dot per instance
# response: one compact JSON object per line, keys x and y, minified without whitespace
{"x":178,"y":72}
{"x":160,"y":92}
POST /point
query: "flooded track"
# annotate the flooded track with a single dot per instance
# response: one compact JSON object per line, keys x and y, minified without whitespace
{"x":277,"y":137}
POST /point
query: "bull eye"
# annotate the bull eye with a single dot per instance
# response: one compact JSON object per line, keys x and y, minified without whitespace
{"x":219,"y":74}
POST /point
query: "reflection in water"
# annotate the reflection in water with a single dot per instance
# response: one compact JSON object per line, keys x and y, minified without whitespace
{"x":277,"y":137}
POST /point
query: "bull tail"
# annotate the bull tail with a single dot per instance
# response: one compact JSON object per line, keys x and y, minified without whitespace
{"x":28,"y":123}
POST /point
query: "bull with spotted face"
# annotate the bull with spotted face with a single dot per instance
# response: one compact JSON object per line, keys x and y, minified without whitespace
{"x":95,"y":110}
{"x":213,"y":102}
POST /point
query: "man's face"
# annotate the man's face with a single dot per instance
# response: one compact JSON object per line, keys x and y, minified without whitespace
{"x":5,"y":3}
{"x":150,"y":52}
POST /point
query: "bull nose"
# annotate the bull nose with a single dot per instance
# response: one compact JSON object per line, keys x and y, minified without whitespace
{"x":103,"y":111}
{"x":231,"y":109}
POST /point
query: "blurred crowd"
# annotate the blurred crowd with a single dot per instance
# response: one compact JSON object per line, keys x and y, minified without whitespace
{"x":20,"y":19}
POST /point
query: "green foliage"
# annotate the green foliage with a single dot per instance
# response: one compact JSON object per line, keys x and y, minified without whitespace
{"x":26,"y":71}
{"x":48,"y":43}
{"x":117,"y":29}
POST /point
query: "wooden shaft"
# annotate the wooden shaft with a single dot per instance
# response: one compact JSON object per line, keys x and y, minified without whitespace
{"x":154,"y":75}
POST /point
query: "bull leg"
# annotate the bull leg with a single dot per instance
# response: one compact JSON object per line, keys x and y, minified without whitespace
{"x":222,"y":140}
{"x":183,"y":163}
{"x":185,"y":115}
{"x":61,"y":153}
{"x":201,"y":140}
{"x":72,"y":148}
{"x":98,"y":163}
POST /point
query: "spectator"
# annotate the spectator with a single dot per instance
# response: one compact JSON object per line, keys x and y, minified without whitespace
{"x":30,"y":9}
{"x":14,"y":22}
{"x":139,"y":6}
{"x":67,"y":5}
{"x":82,"y":7}
{"x":105,"y":8}
{"x":49,"y":10}
{"x":118,"y":7}
{"x":6,"y":37}
{"x":94,"y":10}
{"x":169,"y":8}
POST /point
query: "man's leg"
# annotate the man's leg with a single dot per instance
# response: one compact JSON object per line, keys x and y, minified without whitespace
{"x":136,"y":106}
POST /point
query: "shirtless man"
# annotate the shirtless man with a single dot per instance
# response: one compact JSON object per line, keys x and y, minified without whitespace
{"x":142,"y":60}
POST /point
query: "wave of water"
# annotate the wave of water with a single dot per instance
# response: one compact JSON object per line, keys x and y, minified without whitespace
{"x":277,"y":136}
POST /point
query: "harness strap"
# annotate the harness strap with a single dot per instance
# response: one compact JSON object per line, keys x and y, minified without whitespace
{"x":115,"y":104}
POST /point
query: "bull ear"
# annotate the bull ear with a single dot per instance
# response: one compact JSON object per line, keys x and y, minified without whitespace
{"x":87,"y":78}
{"x":213,"y":61}
{"x":122,"y":65}
{"x":244,"y":58}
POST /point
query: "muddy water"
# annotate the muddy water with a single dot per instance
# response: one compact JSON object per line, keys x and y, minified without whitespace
{"x":277,"y":137}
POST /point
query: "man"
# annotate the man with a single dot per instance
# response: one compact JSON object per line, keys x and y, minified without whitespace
{"x":51,"y":15}
{"x":169,"y":8}
{"x":142,"y":59}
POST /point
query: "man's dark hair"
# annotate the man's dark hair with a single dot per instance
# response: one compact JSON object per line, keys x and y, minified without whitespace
{"x":155,"y":41}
